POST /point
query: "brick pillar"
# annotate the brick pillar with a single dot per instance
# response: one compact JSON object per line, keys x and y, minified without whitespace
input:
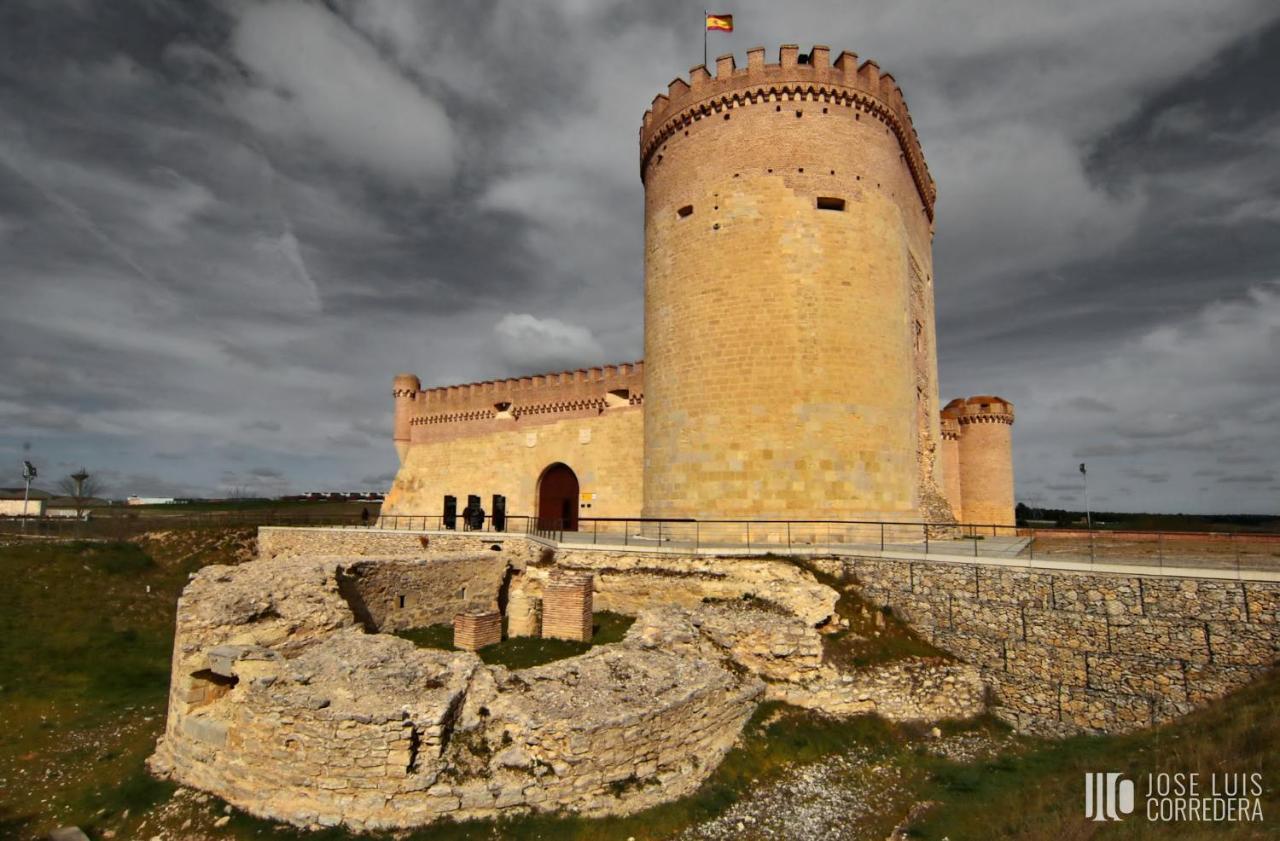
{"x":476,"y":629}
{"x":566,"y":606}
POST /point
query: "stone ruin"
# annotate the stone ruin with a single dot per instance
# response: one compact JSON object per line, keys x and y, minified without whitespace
{"x":290,"y":701}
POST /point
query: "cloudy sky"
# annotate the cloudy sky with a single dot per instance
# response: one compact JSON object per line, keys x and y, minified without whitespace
{"x":225,"y":225}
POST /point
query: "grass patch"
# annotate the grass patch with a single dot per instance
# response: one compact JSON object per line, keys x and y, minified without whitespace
{"x":137,"y":792}
{"x":874,"y":634}
{"x":87,"y":630}
{"x":1038,"y":793}
{"x":524,"y":652}
{"x":77,"y":620}
{"x":114,"y":558}
{"x":432,"y":636}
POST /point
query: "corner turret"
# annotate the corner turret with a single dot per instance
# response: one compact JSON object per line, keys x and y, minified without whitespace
{"x":404,"y":389}
{"x":950,"y":428}
{"x":986,"y":458}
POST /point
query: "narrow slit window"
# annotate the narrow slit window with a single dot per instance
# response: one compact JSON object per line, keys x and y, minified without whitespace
{"x":402,"y":602}
{"x":830,"y":203}
{"x":687,"y":210}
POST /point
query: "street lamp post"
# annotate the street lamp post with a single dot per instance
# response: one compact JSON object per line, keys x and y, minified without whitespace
{"x":79,"y":478}
{"x":1088,"y":517}
{"x":28,"y":473}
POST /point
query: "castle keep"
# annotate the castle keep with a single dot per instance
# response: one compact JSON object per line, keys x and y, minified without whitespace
{"x":790,"y":364}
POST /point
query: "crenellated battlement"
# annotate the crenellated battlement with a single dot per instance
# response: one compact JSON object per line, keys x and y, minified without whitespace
{"x":582,"y":390}
{"x":950,"y":427}
{"x":980,"y":409}
{"x":405,"y":385}
{"x":810,"y":77}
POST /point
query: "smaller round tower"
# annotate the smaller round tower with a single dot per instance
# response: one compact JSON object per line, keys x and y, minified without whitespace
{"x":986,"y":459}
{"x":404,"y":389}
{"x":950,"y":428}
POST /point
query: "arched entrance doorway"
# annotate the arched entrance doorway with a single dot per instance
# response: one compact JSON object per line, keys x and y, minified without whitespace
{"x":558,"y":498}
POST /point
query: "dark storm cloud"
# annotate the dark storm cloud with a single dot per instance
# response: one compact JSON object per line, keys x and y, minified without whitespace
{"x":224,"y":225}
{"x":1248,"y":478}
{"x":378,"y":480}
{"x":1085,"y":403}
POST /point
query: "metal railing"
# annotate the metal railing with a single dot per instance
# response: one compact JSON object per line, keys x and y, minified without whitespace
{"x":1238,"y":551}
{"x":515,"y":524}
{"x":1241,"y":551}
{"x":783,"y":536}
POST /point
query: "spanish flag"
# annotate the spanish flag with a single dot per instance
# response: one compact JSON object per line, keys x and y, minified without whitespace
{"x":719,"y":23}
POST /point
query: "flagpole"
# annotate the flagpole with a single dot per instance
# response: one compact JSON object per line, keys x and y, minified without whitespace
{"x":705,"y":12}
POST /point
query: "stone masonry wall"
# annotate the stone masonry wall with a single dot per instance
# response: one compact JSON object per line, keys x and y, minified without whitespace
{"x":1068,"y":651}
{"x":625,"y":582}
{"x":604,"y":450}
{"x":282,"y":541}
{"x":392,"y":595}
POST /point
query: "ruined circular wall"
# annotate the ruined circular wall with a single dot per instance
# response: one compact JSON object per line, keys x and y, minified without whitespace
{"x":790,"y":354}
{"x":281,"y":704}
{"x":285,"y":705}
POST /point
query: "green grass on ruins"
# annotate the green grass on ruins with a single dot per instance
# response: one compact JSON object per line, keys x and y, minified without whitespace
{"x":84,"y":656}
{"x":874,"y":635}
{"x":524,"y":652}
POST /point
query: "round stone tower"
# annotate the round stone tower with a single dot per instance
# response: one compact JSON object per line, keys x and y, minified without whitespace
{"x":986,"y":459}
{"x":790,"y":363}
{"x":404,"y":389}
{"x":951,"y":457}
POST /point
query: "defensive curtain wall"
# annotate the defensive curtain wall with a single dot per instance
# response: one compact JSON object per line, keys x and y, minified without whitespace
{"x":501,"y":437}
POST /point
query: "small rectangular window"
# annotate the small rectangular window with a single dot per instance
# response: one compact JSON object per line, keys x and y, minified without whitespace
{"x":687,"y":210}
{"x":830,"y":203}
{"x":402,"y":602}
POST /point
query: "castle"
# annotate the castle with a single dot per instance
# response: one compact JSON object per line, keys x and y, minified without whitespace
{"x":790,"y":367}
{"x":790,"y":374}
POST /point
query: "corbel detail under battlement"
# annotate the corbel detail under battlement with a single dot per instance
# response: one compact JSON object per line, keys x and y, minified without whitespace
{"x":812,"y":91}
